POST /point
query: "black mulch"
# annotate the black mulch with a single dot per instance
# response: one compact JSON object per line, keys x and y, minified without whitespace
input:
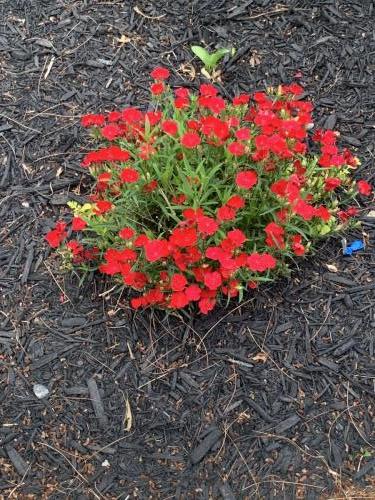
{"x":273,"y":399}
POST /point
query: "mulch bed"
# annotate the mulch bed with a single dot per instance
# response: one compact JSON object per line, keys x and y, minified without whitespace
{"x":270,"y":399}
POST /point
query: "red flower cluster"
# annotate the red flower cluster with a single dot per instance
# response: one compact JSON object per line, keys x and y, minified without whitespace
{"x":201,"y":197}
{"x":57,"y":235}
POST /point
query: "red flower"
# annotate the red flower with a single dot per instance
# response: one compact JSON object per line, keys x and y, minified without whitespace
{"x":183,"y":238}
{"x":236,"y":202}
{"x":146,"y":151}
{"x":160,"y":73}
{"x":57,"y":235}
{"x":206,"y":305}
{"x":141,"y":241}
{"x":214,"y":253}
{"x":181,"y":102}
{"x":232,"y":289}
{"x":78,"y":224}
{"x":182,"y":92}
{"x":157,"y":88}
{"x":154,"y":296}
{"x":112,"y":153}
{"x":91,"y":253}
{"x":212,"y":126}
{"x":153,"y":117}
{"x":190,"y":140}
{"x":102,"y":207}
{"x":297,"y":246}
{"x":236,"y":148}
{"x":261,"y":262}
{"x":237,"y":237}
{"x":104,"y":177}
{"x":118,"y":261}
{"x":126,"y":233}
{"x":156,"y":250}
{"x":233,"y":121}
{"x":331,"y":183}
{"x":150,"y":186}
{"x":299,"y":169}
{"x":215,"y":104}
{"x":137,"y":302}
{"x":114,"y":116}
{"x":135,"y":279}
{"x":323,"y":213}
{"x":208,"y":90}
{"x":243,"y":134}
{"x":193,"y":292}
{"x":178,"y":282}
{"x":129,"y":175}
{"x":179,"y":199}
{"x":287,"y":188}
{"x":207,"y":225}
{"x":111,"y":131}
{"x":364,"y":188}
{"x":275,"y":235}
{"x":193,"y":124}
{"x":293,"y":88}
{"x":131,"y":115}
{"x":170,"y":127}
{"x":192,"y":215}
{"x":246,"y":179}
{"x":282,"y":214}
{"x":212,"y":280}
{"x":178,"y":300}
{"x":241,"y":99}
{"x":345,"y":215}
{"x":75,"y":247}
{"x":90,"y":120}
{"x":306,"y":211}
{"x":226,"y":213}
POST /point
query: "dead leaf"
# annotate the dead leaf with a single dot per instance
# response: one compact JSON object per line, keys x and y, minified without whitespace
{"x":254,"y":59}
{"x":187,"y":69}
{"x":371,"y":214}
{"x":216,"y":76}
{"x":130,"y":351}
{"x":123,"y":39}
{"x":332,"y":268}
{"x":261,"y":356}
{"x":128,"y":417}
{"x":206,"y":73}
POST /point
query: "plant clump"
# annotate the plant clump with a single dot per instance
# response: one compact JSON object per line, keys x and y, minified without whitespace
{"x":202,"y":198}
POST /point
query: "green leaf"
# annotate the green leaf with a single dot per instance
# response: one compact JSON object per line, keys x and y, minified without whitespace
{"x":210,"y":61}
{"x":201,"y":53}
{"x":216,"y":56}
{"x":325,"y":229}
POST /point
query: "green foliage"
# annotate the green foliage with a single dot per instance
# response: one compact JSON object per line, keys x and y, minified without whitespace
{"x":210,"y":61}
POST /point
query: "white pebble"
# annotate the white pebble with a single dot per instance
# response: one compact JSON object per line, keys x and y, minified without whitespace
{"x":40,"y":391}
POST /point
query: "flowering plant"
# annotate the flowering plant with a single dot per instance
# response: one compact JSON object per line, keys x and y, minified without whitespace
{"x":202,"y":197}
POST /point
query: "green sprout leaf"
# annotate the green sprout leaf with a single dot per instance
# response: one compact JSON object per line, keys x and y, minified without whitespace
{"x":210,"y":61}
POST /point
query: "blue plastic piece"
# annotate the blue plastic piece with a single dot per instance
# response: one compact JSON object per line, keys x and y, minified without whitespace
{"x":354,"y":247}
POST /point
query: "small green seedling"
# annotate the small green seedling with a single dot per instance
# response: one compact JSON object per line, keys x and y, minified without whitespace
{"x":210,"y":61}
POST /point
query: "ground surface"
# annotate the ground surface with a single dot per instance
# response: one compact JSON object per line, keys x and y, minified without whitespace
{"x":273,"y":399}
